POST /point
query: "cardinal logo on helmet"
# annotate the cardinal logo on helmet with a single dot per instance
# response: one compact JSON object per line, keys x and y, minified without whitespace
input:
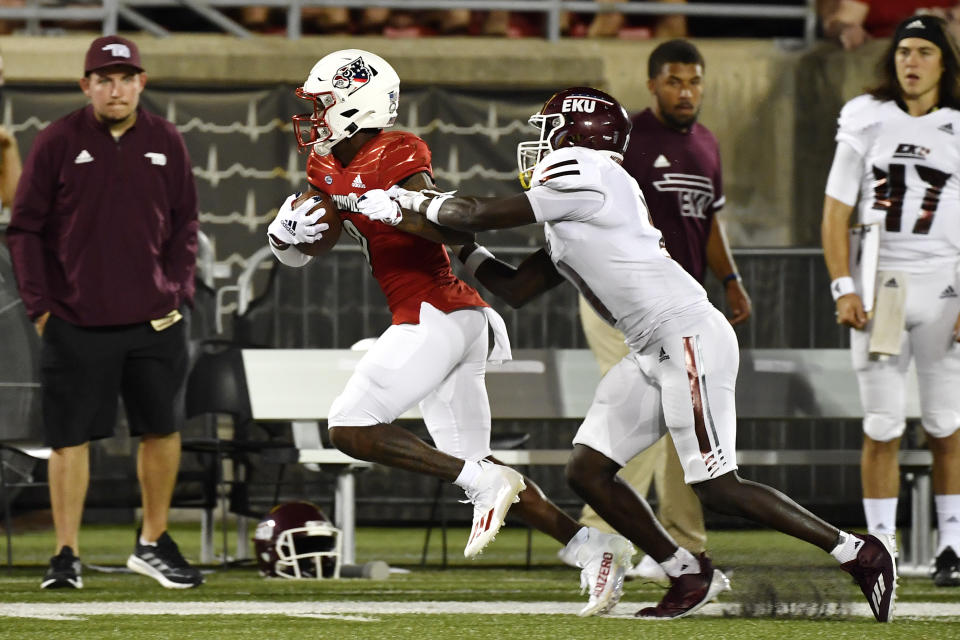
{"x":353,"y":76}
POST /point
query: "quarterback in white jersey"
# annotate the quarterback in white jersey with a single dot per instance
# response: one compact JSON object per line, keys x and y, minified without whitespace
{"x":898,"y":164}
{"x":682,"y":368}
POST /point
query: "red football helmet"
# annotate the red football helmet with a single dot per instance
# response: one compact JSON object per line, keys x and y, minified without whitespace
{"x":575,"y":117}
{"x":295,"y":540}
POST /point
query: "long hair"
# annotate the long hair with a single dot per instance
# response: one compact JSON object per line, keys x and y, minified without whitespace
{"x":889,"y":87}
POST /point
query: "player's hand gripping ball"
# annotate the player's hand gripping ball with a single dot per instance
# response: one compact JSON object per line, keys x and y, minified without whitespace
{"x":310,"y":221}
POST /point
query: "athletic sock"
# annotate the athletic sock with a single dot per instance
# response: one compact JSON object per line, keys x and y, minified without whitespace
{"x":144,"y":543}
{"x":881,"y":515}
{"x":948,"y":522}
{"x":680,"y":563}
{"x":468,"y":475}
{"x":847,"y":549}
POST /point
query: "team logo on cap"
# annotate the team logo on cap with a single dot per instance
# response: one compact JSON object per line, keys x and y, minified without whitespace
{"x":353,"y":76}
{"x":117,"y":50}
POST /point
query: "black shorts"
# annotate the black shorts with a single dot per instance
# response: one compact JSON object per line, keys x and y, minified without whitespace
{"x":84,"y":369}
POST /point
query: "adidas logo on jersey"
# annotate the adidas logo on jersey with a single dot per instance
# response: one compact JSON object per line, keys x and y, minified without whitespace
{"x":949,"y":292}
{"x":663,"y":355}
{"x":892,"y":283}
{"x":661,"y":162}
{"x":83,"y":157}
{"x":358,"y":183}
{"x":947,"y":128}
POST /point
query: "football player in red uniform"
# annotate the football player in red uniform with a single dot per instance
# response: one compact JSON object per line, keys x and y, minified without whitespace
{"x":435,"y":352}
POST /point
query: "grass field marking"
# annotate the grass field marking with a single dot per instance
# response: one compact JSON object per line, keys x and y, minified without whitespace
{"x":360,"y":610}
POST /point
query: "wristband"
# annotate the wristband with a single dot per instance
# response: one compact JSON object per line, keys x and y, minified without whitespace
{"x":727,"y":279}
{"x":477,"y":257}
{"x":841,"y":287}
{"x":276,"y":243}
{"x":433,"y":209}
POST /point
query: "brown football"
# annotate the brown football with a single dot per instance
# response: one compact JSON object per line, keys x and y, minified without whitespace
{"x":331,"y":217}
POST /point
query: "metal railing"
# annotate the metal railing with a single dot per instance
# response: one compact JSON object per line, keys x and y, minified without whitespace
{"x":109,"y":11}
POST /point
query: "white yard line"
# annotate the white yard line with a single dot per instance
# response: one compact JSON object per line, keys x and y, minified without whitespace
{"x":368,"y":610}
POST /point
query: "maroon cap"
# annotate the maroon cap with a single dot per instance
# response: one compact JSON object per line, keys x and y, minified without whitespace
{"x":111,"y":50}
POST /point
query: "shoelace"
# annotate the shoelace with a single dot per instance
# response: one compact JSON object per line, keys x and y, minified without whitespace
{"x":170,"y":553}
{"x":63,"y":563}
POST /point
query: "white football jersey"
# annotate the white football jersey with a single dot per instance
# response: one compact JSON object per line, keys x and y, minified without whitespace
{"x":601,"y":239}
{"x":910,"y":181}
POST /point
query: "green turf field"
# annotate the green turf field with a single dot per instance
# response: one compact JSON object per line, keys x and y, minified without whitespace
{"x":782,"y":589}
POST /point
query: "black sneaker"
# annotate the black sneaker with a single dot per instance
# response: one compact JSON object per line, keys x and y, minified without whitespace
{"x":946,"y":569}
{"x":63,"y":572}
{"x":163,"y":563}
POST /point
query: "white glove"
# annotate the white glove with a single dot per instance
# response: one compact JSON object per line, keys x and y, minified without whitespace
{"x":410,"y":199}
{"x":380,"y":206}
{"x":294,"y":226}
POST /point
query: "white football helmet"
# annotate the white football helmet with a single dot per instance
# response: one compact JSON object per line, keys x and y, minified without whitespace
{"x":350,"y":90}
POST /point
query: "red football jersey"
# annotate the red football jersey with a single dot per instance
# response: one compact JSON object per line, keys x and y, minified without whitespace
{"x":409,"y":269}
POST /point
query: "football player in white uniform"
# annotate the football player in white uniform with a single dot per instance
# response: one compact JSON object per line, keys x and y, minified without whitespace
{"x":898,"y":154}
{"x":682,"y":367}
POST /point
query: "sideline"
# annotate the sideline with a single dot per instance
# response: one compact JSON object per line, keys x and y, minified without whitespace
{"x":370,"y":611}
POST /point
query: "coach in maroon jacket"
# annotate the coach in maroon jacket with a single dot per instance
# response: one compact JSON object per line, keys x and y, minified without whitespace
{"x":103,"y":238}
{"x":676,"y":162}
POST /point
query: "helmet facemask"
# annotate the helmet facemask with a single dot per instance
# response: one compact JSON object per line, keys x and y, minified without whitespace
{"x":311,"y":129}
{"x":530,"y":153}
{"x":311,"y":551}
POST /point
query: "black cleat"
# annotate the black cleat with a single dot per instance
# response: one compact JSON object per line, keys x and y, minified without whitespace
{"x":164,"y":563}
{"x":63,"y":572}
{"x":946,"y":569}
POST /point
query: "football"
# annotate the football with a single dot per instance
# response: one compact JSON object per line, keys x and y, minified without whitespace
{"x":331,"y":217}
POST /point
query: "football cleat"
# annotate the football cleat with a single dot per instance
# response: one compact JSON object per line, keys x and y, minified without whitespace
{"x":648,"y":569}
{"x":946,"y":569}
{"x":497,"y":488}
{"x":63,"y":572}
{"x":604,"y":559}
{"x":875,"y":570}
{"x":688,"y":593}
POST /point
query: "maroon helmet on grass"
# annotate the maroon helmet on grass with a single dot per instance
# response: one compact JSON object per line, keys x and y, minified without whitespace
{"x":296,"y":540}
{"x":575,"y":117}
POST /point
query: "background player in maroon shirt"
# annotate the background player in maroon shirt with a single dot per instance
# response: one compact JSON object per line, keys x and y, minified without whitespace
{"x":103,"y":238}
{"x":434,"y":354}
{"x":676,"y":162}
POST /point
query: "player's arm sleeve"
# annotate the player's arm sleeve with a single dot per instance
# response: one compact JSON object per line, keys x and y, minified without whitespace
{"x":719,"y":198}
{"x":843,"y":183}
{"x":550,"y":204}
{"x":567,"y":186}
{"x":856,"y":123}
{"x":180,"y":250}
{"x":32,"y":207}
{"x":408,"y":156}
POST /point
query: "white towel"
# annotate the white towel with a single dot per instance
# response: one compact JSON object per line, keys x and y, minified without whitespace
{"x":864,"y":253}
{"x":501,"y":342}
{"x":889,"y":313}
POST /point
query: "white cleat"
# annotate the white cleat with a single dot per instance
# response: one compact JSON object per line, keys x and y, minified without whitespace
{"x":604,"y":559}
{"x":648,"y":569}
{"x":497,"y":488}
